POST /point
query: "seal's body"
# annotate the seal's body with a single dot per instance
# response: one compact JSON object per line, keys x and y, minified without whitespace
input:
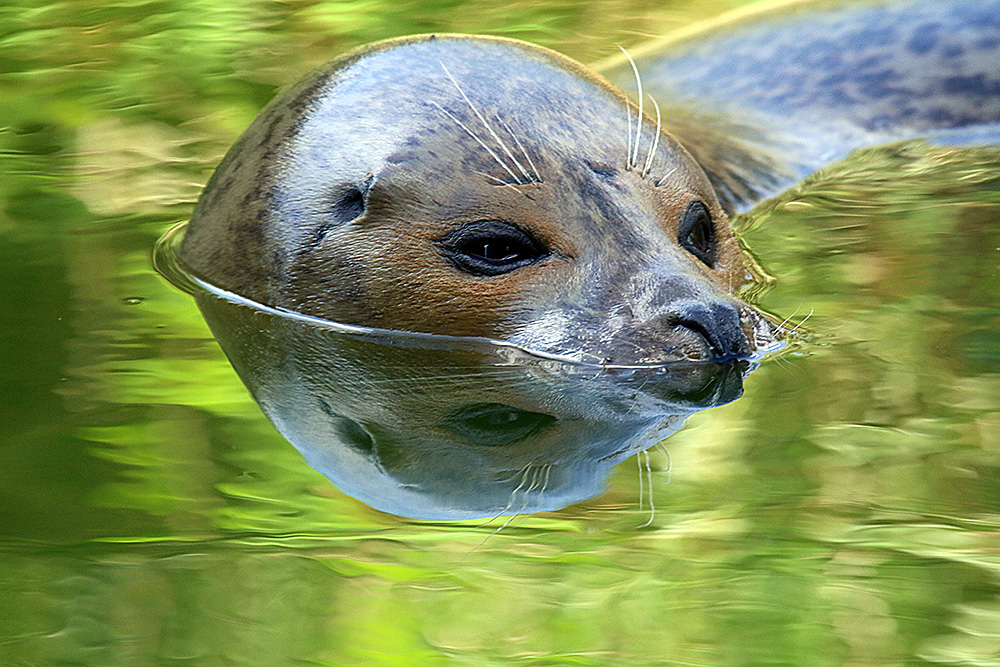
{"x":763,"y":97}
{"x":485,"y":187}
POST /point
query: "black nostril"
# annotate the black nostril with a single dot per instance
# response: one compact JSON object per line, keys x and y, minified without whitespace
{"x":717,"y":322}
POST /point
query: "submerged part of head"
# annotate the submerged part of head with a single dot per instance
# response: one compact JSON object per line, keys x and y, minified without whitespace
{"x":478,"y":187}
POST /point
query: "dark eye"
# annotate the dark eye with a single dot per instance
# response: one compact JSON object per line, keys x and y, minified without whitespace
{"x":696,"y":233}
{"x":491,"y":247}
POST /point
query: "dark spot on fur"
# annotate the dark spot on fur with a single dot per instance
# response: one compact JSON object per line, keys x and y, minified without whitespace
{"x":953,"y":51}
{"x":976,"y":85}
{"x":269,"y":130}
{"x":924,"y":38}
{"x":594,"y":193}
{"x":278,"y":260}
{"x":603,"y":170}
{"x":940,"y":117}
{"x":876,"y":84}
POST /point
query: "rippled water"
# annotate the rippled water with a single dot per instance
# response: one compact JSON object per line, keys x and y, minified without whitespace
{"x":844,"y":511}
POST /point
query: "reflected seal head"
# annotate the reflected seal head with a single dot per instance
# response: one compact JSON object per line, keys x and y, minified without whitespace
{"x":417,"y":429}
{"x":478,"y":186}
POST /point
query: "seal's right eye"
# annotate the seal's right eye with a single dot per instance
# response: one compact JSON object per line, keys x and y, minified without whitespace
{"x":491,"y":247}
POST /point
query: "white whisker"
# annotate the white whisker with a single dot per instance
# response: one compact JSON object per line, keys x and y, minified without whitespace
{"x":481,"y":143}
{"x":638,"y":126}
{"x":656,"y":139}
{"x":531,"y":162}
{"x":498,"y":181}
{"x":628,"y":117}
{"x":665,"y":177}
{"x":485,"y":124}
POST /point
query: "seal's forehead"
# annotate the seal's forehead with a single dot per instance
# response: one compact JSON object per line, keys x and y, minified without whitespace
{"x":415,"y":71}
{"x":388,"y":95}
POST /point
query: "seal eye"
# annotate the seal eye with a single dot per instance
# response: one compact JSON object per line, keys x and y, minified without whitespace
{"x":696,"y":233}
{"x":491,"y":248}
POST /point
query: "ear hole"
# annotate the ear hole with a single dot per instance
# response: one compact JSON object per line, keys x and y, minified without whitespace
{"x":348,"y":204}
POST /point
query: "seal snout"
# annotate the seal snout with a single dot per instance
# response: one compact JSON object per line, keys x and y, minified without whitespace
{"x":716,"y":322}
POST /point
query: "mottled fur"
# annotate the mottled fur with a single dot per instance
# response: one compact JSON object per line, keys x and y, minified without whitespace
{"x":796,"y":85}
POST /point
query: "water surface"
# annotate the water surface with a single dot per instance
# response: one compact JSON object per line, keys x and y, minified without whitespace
{"x":845,"y":511}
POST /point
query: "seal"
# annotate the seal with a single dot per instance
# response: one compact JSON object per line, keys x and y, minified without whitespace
{"x":473,"y":186}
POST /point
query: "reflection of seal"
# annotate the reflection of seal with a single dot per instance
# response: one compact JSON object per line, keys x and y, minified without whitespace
{"x":477,"y":186}
{"x":418,"y":427}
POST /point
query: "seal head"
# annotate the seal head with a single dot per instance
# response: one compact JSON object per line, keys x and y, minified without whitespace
{"x":476,"y":186}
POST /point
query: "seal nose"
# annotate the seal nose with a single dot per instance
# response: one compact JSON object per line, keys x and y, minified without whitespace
{"x":717,"y":322}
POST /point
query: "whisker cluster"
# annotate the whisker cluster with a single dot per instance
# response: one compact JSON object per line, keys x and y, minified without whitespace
{"x":521,"y":179}
{"x":632,"y":154}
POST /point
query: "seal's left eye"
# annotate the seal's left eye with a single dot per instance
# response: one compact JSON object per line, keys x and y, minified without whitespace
{"x":491,"y":247}
{"x":696,"y":233}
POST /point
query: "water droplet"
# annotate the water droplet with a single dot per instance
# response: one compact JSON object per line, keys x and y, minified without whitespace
{"x":133,"y":300}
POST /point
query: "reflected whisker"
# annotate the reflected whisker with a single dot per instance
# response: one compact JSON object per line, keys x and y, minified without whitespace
{"x":649,"y":477}
{"x":628,"y":119}
{"x":788,"y":319}
{"x":642,"y":482}
{"x":545,"y":484}
{"x":804,"y":320}
{"x":523,"y":472}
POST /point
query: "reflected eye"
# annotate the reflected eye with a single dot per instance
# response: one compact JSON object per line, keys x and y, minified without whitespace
{"x":696,"y":233}
{"x":491,"y":248}
{"x":496,"y":425}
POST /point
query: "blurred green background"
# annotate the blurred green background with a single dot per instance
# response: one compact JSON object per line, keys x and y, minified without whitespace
{"x":844,"y":512}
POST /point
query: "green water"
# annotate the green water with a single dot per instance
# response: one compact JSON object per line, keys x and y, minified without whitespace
{"x":844,"y":512}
